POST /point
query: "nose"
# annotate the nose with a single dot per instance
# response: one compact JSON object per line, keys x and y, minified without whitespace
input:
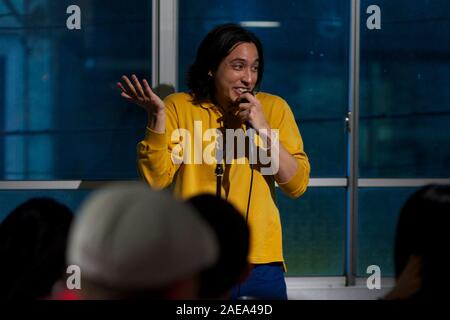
{"x":247,"y":76}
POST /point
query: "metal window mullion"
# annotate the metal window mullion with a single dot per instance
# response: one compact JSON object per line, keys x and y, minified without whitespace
{"x":155,"y":43}
{"x":313,"y":183}
{"x":352,"y":193}
{"x":165,"y":46}
{"x":168,"y":43}
{"x":400,"y":183}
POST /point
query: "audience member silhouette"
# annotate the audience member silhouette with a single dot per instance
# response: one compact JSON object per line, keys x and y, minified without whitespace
{"x":233,"y":235}
{"x":422,"y":245}
{"x":33,"y":241}
{"x":131,"y":242}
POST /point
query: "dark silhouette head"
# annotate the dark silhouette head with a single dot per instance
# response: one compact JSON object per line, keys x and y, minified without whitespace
{"x":233,"y":234}
{"x":32,"y":249}
{"x":422,"y":231}
{"x":217,"y":44}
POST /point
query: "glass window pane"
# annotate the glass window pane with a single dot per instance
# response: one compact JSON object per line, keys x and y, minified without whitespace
{"x":306,"y":57}
{"x":379,"y":210}
{"x":405,"y":101}
{"x":62,"y":116}
{"x":314,"y":232}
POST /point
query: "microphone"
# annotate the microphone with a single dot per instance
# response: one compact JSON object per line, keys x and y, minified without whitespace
{"x":245,"y":100}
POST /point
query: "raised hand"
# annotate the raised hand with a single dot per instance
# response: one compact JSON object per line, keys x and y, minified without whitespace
{"x":143,"y":96}
{"x":140,"y":94}
{"x":250,"y":111}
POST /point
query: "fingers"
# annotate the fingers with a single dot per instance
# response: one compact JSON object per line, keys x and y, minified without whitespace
{"x":127,"y":97}
{"x":120,"y":86}
{"x":245,"y":106}
{"x":154,"y":98}
{"x":248,"y":96}
{"x":249,"y":109}
{"x":129,"y":88}
{"x":245,"y":110}
{"x":244,"y":116}
{"x":134,"y":88}
{"x":124,"y":92}
{"x":138,"y":87}
{"x":140,"y":94}
{"x":147,"y":90}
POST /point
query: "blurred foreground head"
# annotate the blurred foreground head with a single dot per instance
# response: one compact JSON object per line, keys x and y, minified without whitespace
{"x":33,"y":240}
{"x":134,"y":243}
{"x":422,"y":238}
{"x":233,"y":234}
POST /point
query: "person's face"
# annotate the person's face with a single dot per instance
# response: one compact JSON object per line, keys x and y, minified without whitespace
{"x":237,"y":73}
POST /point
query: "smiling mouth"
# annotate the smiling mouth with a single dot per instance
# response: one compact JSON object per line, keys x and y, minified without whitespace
{"x":242,"y":90}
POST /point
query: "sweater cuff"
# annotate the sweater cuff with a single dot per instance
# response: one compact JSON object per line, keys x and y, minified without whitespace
{"x":155,"y":140}
{"x":298,"y":183}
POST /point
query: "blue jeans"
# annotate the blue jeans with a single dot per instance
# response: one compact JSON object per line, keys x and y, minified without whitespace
{"x":266,"y":281}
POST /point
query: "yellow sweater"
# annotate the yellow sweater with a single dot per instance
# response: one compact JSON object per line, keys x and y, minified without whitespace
{"x":186,"y":180}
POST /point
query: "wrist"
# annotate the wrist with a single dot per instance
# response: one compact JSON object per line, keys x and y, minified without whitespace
{"x":264,"y":131}
{"x":152,"y":115}
{"x":156,"y":121}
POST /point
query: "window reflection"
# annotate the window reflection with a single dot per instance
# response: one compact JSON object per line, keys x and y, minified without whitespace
{"x":405,"y":102}
{"x":61,"y":115}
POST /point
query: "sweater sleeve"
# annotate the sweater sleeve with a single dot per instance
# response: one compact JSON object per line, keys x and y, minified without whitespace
{"x":291,"y":140}
{"x":154,"y":153}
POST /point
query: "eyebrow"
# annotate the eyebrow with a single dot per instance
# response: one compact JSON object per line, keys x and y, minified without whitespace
{"x":242,"y":60}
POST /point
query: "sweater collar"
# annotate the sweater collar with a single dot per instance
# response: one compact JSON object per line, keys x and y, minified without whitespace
{"x":207,"y":105}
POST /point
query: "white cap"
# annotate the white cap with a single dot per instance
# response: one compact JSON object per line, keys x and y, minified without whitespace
{"x":128,"y":236}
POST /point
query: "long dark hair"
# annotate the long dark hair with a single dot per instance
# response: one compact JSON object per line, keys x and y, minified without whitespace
{"x":214,"y":48}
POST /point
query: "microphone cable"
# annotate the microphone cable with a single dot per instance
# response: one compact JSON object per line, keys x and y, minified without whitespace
{"x":249,"y":194}
{"x":247,"y":126}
